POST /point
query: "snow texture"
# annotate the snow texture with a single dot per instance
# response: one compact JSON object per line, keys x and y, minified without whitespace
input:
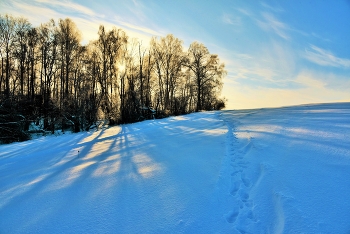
{"x":281,"y":170}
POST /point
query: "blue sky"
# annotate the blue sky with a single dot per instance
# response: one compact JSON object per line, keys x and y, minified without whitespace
{"x":276,"y":53}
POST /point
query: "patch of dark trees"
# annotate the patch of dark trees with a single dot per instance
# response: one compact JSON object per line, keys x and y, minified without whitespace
{"x":49,"y":79}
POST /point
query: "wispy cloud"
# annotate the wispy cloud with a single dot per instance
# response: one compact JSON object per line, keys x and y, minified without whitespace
{"x":67,"y":5}
{"x":272,"y":8}
{"x":30,"y":11}
{"x":271,"y":24}
{"x":87,"y":19}
{"x":136,"y":3}
{"x":307,"y":79}
{"x":273,"y":66}
{"x":232,"y":20}
{"x":324,"y":57}
{"x":139,"y":28}
{"x":317,"y":80}
{"x":245,"y":12}
{"x":313,"y":87}
{"x":317,"y":36}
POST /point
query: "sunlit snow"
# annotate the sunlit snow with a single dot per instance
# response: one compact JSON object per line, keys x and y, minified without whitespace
{"x":281,"y":170}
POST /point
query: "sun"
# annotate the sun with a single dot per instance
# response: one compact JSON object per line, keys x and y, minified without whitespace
{"x":121,"y":67}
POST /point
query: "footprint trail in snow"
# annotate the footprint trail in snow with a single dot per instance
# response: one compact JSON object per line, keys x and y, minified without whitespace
{"x":241,"y":214}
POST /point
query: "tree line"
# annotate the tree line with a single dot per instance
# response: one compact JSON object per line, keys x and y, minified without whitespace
{"x":48,"y":77}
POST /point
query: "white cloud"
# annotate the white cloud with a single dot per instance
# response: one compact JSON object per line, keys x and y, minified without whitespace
{"x":139,"y":28}
{"x":324,"y":57}
{"x":271,"y":24}
{"x":307,"y":79}
{"x":68,"y":5}
{"x":271,"y":78}
{"x":273,"y":64}
{"x":86,"y":19}
{"x":90,"y":28}
{"x":314,"y":91}
{"x":229,"y":19}
{"x":29,"y":11}
{"x":272,"y":8}
{"x":323,"y":80}
{"x":245,"y":12}
{"x":319,"y":37}
{"x":136,"y":3}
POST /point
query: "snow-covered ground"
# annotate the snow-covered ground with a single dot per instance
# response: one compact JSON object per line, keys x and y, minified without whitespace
{"x":282,"y":170}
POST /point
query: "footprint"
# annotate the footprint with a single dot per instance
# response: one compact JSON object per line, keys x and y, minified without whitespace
{"x":251,"y":216}
{"x":243,"y":164}
{"x":245,"y":181}
{"x":234,"y":187}
{"x":232,"y":216}
{"x":243,"y":195}
{"x":249,"y":204}
{"x":236,"y":172}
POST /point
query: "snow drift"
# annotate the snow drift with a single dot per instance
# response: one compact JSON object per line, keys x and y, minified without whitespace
{"x":281,"y":170}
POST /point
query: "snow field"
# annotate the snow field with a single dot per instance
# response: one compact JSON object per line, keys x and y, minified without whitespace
{"x":281,"y":170}
{"x":290,"y":169}
{"x":153,"y":176}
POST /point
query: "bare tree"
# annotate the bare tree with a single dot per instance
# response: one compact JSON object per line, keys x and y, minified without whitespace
{"x":32,"y":40}
{"x":69,"y":39}
{"x":48,"y":38}
{"x":129,"y":105}
{"x":145,"y":85}
{"x":92,"y":95}
{"x":7,"y":38}
{"x":110,"y":49}
{"x":169,"y":58}
{"x":21,"y":48}
{"x":208,"y":73}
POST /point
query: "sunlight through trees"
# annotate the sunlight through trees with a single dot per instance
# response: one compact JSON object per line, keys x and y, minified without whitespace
{"x":49,"y":78}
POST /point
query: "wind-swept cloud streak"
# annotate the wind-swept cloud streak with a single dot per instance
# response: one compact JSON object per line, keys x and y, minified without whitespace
{"x":67,"y":6}
{"x":29,"y":11}
{"x":272,"y":8}
{"x":271,"y":24}
{"x":311,"y":84}
{"x":324,"y":57}
{"x":87,"y":19}
{"x":139,"y":28}
{"x":245,"y":12}
{"x":229,"y":19}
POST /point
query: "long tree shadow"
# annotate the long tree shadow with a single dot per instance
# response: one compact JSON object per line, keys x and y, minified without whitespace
{"x":115,"y":163}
